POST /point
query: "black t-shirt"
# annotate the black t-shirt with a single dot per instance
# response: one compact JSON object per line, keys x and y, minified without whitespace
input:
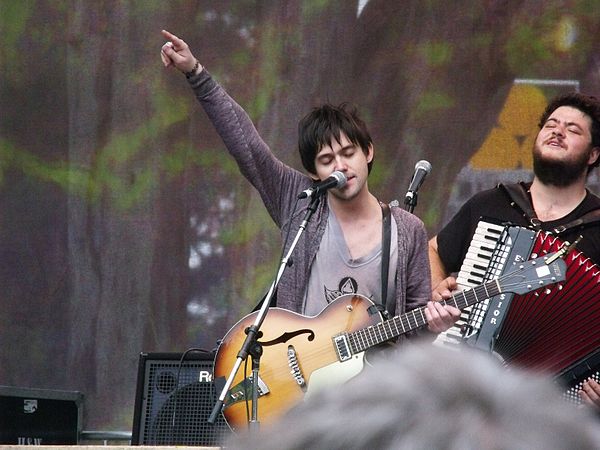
{"x":454,"y":239}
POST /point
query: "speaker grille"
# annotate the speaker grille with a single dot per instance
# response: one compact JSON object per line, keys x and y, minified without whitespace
{"x":176,"y":402}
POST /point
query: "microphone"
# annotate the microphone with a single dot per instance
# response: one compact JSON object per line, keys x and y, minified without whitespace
{"x":422,"y":168}
{"x":336,"y":180}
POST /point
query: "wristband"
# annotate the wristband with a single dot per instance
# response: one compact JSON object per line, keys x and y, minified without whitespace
{"x":192,"y":72}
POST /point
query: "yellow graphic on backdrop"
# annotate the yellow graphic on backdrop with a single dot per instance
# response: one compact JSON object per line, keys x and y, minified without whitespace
{"x":509,"y":144}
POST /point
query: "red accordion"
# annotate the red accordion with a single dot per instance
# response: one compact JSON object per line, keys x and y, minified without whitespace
{"x":551,"y":330}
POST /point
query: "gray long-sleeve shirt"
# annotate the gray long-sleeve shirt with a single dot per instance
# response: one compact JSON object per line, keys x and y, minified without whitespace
{"x":278,"y":186}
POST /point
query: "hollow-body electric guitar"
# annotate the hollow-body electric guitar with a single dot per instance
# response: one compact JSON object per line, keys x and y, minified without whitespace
{"x":304,"y":354}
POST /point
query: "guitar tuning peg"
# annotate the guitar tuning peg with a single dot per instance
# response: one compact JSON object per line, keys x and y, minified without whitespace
{"x":547,"y":291}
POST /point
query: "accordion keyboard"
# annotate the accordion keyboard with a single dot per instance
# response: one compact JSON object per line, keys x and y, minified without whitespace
{"x":493,"y":250}
{"x":474,"y":271}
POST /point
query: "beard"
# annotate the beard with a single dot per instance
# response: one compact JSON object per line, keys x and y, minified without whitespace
{"x":559,"y":173}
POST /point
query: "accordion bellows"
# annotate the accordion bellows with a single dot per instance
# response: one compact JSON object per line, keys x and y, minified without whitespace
{"x":550,"y":331}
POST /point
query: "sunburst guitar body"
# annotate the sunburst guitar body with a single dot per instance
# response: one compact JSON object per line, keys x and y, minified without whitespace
{"x":299,"y":357}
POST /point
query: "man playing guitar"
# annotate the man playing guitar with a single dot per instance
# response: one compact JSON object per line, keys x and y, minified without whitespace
{"x":340,"y":251}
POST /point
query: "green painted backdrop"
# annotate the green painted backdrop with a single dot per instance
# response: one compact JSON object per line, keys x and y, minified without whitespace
{"x":125,"y":227}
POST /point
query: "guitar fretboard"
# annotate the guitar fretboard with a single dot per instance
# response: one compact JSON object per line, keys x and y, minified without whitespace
{"x":384,"y":331}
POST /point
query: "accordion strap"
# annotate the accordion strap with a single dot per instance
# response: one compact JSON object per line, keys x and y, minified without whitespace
{"x":518,"y":194}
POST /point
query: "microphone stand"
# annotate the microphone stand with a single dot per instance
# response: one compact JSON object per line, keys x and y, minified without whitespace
{"x":251,"y":346}
{"x":410,"y":201}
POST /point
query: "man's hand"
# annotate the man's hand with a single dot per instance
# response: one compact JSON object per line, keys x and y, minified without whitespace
{"x":590,"y":393}
{"x":175,"y":52}
{"x":440,"y":317}
{"x":443,"y":291}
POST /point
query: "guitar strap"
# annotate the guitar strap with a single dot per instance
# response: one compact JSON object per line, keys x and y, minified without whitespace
{"x":518,"y":194}
{"x":386,"y":232}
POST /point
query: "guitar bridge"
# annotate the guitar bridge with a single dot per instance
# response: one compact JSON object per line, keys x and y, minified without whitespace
{"x":296,"y":371}
{"x":342,"y":347}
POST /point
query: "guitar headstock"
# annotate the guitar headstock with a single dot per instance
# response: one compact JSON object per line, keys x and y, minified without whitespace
{"x":534,"y":274}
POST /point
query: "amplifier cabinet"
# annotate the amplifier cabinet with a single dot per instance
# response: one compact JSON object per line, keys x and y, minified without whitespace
{"x":174,"y":401}
{"x":39,"y":416}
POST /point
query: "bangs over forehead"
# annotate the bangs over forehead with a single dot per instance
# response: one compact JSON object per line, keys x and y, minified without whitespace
{"x":324,"y":125}
{"x":333,"y":133}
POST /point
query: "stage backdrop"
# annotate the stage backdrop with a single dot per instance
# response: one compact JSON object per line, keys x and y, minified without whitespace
{"x":124,"y":224}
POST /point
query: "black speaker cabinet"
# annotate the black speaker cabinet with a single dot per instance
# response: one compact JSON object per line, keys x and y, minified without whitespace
{"x":174,"y":401}
{"x":39,"y":416}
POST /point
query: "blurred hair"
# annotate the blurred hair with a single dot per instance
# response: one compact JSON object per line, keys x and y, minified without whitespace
{"x":425,"y":397}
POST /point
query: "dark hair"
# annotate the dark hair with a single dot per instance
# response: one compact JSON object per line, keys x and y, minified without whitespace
{"x":325,"y":123}
{"x":587,"y":104}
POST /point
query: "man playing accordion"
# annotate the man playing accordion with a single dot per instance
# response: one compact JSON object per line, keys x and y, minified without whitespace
{"x":566,"y":150}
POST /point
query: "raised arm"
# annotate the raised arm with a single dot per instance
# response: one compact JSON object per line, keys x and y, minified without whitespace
{"x":277,"y":183}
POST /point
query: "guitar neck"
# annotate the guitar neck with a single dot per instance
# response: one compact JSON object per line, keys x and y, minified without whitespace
{"x":368,"y":337}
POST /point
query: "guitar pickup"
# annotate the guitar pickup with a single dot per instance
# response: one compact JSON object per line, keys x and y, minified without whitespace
{"x":342,"y":347}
